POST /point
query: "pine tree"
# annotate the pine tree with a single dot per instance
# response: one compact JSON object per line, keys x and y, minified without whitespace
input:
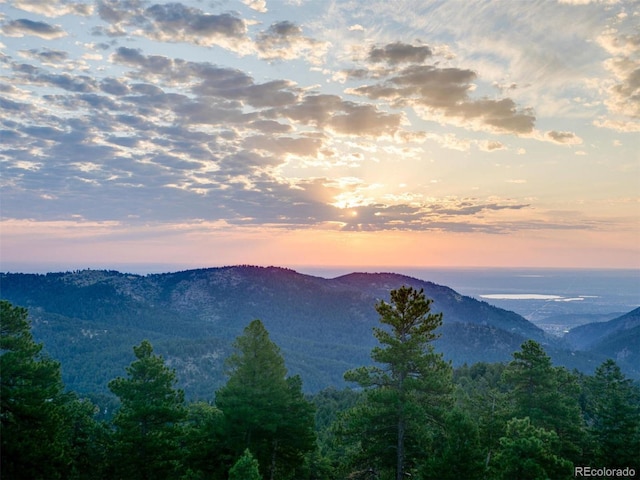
{"x":613,"y":410}
{"x":548,"y":396}
{"x":529,"y":453}
{"x":264,"y":410}
{"x":148,"y":421}
{"x":246,"y":468}
{"x":407,"y":394}
{"x":458,"y":454}
{"x":203,"y":436}
{"x":88,"y":441}
{"x":32,"y":430}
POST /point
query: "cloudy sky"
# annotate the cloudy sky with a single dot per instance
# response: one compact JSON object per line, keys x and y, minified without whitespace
{"x":319,"y":132}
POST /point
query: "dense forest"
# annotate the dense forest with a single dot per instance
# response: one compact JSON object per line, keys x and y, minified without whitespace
{"x":408,"y":414}
{"x":89,"y":320}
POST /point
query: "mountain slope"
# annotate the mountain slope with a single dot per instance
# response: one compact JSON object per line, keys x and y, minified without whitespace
{"x":586,"y":336}
{"x":89,"y":320}
{"x":618,"y":339}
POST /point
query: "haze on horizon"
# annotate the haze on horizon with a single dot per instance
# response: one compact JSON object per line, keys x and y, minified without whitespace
{"x":292,"y":132}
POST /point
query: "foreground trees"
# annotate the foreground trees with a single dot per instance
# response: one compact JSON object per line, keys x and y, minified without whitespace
{"x":264,"y":411}
{"x":526,"y":419}
{"x":407,"y":395}
{"x":613,"y":416}
{"x":32,"y":403}
{"x":548,"y":396}
{"x":147,"y":425}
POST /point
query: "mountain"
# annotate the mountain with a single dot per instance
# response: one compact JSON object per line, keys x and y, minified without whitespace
{"x":90,"y":319}
{"x":585,"y":337}
{"x":618,"y":339}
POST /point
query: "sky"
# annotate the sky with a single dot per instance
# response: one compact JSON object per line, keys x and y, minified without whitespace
{"x":317,"y":132}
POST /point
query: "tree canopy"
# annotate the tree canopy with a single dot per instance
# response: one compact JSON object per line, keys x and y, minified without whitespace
{"x":407,"y":391}
{"x":147,"y":423}
{"x":264,"y":411}
{"x":409,"y":416}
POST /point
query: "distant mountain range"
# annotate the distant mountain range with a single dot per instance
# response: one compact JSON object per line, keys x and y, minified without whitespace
{"x":90,"y":319}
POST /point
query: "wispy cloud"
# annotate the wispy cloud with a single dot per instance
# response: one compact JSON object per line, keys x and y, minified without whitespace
{"x":23,"y":26}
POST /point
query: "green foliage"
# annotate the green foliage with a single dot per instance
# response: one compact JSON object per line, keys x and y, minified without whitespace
{"x":613,"y":413}
{"x":90,"y":319}
{"x":89,"y":441}
{"x":481,"y":394}
{"x":148,"y":422}
{"x":406,"y":395}
{"x":203,"y":441}
{"x":263,"y":410}
{"x":548,"y":396}
{"x":528,"y":453}
{"x":31,"y":403}
{"x":524,"y":420}
{"x":246,"y":468}
{"x":457,"y":452}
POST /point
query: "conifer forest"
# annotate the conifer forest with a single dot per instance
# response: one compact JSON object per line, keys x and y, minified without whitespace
{"x":409,"y":414}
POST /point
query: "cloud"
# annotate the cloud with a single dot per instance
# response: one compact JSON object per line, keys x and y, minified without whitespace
{"x":491,"y":146}
{"x":343,"y":117}
{"x":623,"y":87}
{"x":440,"y":93}
{"x":257,"y":5}
{"x":47,"y":56}
{"x":54,"y":8}
{"x":398,"y":52}
{"x":564,"y":138}
{"x":177,"y":22}
{"x":23,"y":26}
{"x":174,"y":22}
{"x":284,"y":41}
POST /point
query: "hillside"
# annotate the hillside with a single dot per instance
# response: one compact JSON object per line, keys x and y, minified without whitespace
{"x":585,"y":336}
{"x":618,"y":339}
{"x":89,"y":320}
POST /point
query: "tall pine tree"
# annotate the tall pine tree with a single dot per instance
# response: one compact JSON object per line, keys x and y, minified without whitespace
{"x":32,"y":402}
{"x":148,"y":421}
{"x":548,"y":395}
{"x":264,"y":410}
{"x":407,"y":394}
{"x":613,"y":412}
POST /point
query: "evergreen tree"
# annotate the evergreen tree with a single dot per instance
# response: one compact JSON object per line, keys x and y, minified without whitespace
{"x":613,"y":411}
{"x":481,"y":395}
{"x":406,"y":394}
{"x":203,"y":437}
{"x":33,"y":442}
{"x":246,"y":468}
{"x":148,"y":421}
{"x":457,"y":453}
{"x":548,"y":396}
{"x":263,"y":410}
{"x":528,"y":453}
{"x":88,"y":441}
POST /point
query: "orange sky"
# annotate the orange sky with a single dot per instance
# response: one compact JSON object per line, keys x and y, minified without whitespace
{"x":355,"y":133}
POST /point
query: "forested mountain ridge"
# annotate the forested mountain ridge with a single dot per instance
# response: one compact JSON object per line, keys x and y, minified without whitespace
{"x":584,"y":336}
{"x":90,"y":319}
{"x":618,"y":339}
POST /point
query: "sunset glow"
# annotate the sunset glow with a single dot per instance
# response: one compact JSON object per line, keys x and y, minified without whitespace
{"x":294,"y":133}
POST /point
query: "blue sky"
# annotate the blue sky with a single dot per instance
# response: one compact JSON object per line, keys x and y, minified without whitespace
{"x":414,"y":133}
